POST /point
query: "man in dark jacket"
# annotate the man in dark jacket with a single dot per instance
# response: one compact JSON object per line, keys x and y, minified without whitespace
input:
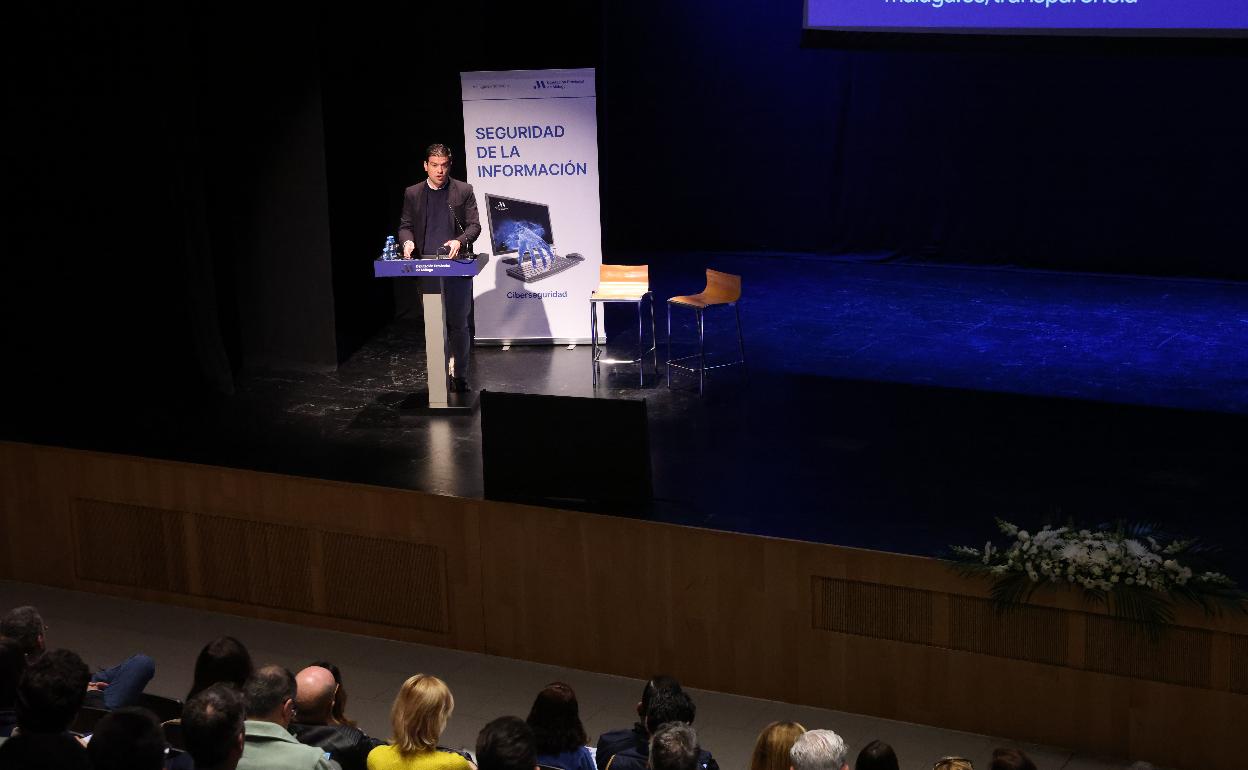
{"x":636,"y":737}
{"x":49,"y":694}
{"x":314,"y":706}
{"x":441,"y":213}
{"x":666,"y":707}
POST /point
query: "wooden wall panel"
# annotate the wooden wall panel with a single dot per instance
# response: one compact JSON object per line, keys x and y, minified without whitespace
{"x":895,"y":636}
{"x":248,"y":543}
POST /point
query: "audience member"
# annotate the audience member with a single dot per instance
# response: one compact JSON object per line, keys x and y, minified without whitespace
{"x":224,"y":659}
{"x":876,"y":755}
{"x":315,"y":695}
{"x":212,"y":728}
{"x":110,"y":688}
{"x":49,"y":694}
{"x":127,"y":739}
{"x":340,"y":703}
{"x":674,"y":746}
{"x":12,"y":664}
{"x":268,"y":744}
{"x":556,"y":722}
{"x":1011,"y":759}
{"x":418,"y":717}
{"x":953,"y":763}
{"x":819,"y":750}
{"x":665,"y":706}
{"x":636,"y":737}
{"x":771,"y":750}
{"x":507,"y":743}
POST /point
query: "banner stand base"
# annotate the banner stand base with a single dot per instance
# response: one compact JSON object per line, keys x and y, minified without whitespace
{"x":457,"y":405}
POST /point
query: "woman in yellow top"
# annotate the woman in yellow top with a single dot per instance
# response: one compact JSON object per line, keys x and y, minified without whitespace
{"x":418,"y":717}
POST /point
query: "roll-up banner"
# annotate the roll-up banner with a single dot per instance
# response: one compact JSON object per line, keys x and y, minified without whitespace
{"x":532,"y":158}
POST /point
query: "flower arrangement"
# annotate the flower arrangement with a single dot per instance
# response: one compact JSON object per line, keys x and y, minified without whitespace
{"x":1135,"y":570}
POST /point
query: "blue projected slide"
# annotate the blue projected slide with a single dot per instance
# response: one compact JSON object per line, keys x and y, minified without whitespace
{"x":1122,"y":17}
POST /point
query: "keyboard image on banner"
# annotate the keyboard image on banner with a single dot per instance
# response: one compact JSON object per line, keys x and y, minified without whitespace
{"x":529,"y":271}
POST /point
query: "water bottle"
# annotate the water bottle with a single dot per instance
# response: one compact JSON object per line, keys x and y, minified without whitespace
{"x":389,"y":251}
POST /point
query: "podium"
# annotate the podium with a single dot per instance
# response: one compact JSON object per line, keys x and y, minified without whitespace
{"x":434,"y":400}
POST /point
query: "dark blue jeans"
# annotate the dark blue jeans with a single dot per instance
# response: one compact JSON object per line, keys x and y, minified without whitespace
{"x":126,"y":681}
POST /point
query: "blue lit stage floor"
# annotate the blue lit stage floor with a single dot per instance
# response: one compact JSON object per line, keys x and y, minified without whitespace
{"x":887,"y":406}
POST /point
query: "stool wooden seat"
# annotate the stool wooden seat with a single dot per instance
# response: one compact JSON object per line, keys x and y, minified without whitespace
{"x":623,"y":283}
{"x":722,"y":289}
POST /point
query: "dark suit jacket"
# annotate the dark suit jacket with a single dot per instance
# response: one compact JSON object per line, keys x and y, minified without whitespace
{"x":615,"y":741}
{"x":346,"y":745}
{"x":412,"y":223}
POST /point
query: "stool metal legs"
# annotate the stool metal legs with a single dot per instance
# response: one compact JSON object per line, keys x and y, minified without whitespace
{"x":700,"y":320}
{"x":596,"y":351}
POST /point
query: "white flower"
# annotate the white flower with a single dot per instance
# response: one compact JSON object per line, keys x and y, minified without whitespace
{"x":1135,"y":548}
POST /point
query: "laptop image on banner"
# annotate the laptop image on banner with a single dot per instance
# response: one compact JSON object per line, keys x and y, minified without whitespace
{"x":523,"y":228}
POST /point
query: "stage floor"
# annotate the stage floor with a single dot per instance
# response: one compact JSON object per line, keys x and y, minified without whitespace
{"x":887,"y":406}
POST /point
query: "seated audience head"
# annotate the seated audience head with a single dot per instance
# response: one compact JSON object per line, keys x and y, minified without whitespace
{"x":340,"y":701}
{"x":771,"y":750}
{"x":1011,"y":759}
{"x":51,"y":691}
{"x":270,"y":695}
{"x":25,"y":626}
{"x":420,"y":712}
{"x":876,"y":755}
{"x":212,"y":727}
{"x":556,"y":720}
{"x":12,"y":664}
{"x":819,"y":750}
{"x":656,"y":683}
{"x":669,"y":706}
{"x":224,"y":659}
{"x":674,"y":746}
{"x":507,"y":743}
{"x":953,"y":763}
{"x":315,"y":689}
{"x":127,"y":739}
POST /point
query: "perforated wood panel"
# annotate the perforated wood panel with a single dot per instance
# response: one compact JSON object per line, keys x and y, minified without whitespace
{"x":1239,"y":664}
{"x":1179,"y":656}
{"x":386,"y":581}
{"x":866,"y":609}
{"x":1035,"y":634}
{"x":129,"y":545}
{"x":255,"y":562}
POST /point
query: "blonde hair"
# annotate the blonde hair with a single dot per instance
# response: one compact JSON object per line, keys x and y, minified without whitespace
{"x":771,"y":750}
{"x":419,"y":714}
{"x":953,"y":763}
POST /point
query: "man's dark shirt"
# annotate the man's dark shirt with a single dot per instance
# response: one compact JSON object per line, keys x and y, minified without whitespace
{"x":632,"y":759}
{"x":54,"y":751}
{"x":439,"y":227}
{"x":346,"y":745}
{"x":612,"y":743}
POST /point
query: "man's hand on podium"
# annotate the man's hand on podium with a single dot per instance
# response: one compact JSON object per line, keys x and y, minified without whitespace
{"x":452,"y":247}
{"x":408,"y":248}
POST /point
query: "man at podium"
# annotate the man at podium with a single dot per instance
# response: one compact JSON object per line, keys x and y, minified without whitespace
{"x":441,"y":212}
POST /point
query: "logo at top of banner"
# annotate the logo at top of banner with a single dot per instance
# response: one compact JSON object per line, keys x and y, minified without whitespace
{"x":542,"y":84}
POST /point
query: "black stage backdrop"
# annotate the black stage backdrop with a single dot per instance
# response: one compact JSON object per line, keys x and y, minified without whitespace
{"x":724,"y":131}
{"x":193,"y":189}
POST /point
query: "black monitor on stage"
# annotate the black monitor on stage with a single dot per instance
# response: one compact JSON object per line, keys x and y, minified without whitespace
{"x":589,"y":454}
{"x":508,"y":216}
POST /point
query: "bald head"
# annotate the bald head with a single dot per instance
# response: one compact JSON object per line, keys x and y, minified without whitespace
{"x":314,"y":696}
